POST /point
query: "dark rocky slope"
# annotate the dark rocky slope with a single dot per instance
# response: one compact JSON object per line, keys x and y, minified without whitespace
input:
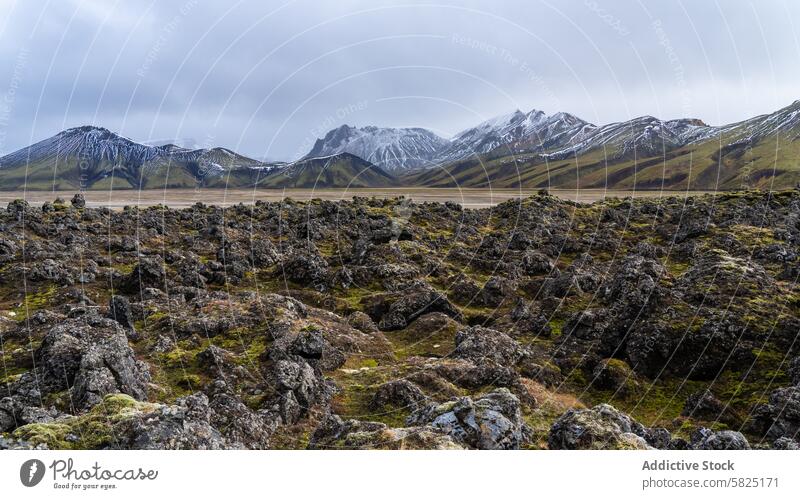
{"x":385,"y":324}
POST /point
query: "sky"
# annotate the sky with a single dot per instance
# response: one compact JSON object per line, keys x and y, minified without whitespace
{"x":267,"y":78}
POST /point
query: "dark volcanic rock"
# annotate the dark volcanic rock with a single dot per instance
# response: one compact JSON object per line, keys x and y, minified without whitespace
{"x":703,"y":404}
{"x":493,"y":421}
{"x":286,"y":320}
{"x":613,"y":374}
{"x":78,"y":201}
{"x":148,"y":273}
{"x":601,"y":427}
{"x":185,"y":425}
{"x":119,"y":309}
{"x":399,"y":393}
{"x":705,"y":439}
{"x":780,"y":418}
{"x":481,"y":345}
{"x":411,"y":303}
{"x":334,"y":433}
{"x":91,"y":360}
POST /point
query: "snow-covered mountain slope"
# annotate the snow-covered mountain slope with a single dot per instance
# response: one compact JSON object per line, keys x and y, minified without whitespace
{"x":552,"y":137}
{"x":87,"y":142}
{"x":391,"y":149}
{"x":645,"y":153}
{"x":647,"y":136}
{"x":91,"y":156}
{"x":518,"y":131}
{"x":641,"y":137}
{"x":784,"y":122}
{"x":511,"y":150}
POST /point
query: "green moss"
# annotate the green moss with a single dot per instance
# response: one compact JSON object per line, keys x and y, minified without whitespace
{"x":556,"y":327}
{"x":539,"y":421}
{"x":178,"y":357}
{"x":676,"y":268}
{"x":35,"y":301}
{"x":53,"y":435}
{"x":117,"y":403}
{"x":156,"y":316}
{"x":11,"y":375}
{"x":189,"y":381}
{"x":369,"y":363}
{"x":92,"y":430}
{"x":124,"y":268}
{"x":358,"y":381}
{"x":656,"y":404}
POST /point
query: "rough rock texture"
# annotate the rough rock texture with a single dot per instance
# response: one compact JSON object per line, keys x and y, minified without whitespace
{"x":333,"y":433}
{"x":493,"y":421}
{"x":91,"y":359}
{"x":705,"y":439}
{"x":185,"y":425}
{"x":601,"y":427}
{"x":399,"y":392}
{"x":780,"y":418}
{"x":383,"y":323}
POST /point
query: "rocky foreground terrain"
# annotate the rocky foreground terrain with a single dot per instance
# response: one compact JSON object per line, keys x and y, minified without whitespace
{"x":536,"y":324}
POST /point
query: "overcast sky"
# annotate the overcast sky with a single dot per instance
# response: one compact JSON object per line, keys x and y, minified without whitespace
{"x":268,"y":77}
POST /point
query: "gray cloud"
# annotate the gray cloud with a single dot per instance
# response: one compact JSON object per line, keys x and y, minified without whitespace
{"x":268,"y":77}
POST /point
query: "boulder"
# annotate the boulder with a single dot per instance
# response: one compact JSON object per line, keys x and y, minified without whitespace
{"x":78,"y":201}
{"x":492,"y":421}
{"x":148,"y":273}
{"x":119,"y":309}
{"x":184,"y":425}
{"x":780,"y":417}
{"x":334,"y":433}
{"x":238,"y":424}
{"x":601,"y":427}
{"x":483,"y":345}
{"x":613,"y":374}
{"x":705,"y":439}
{"x":398,"y":393}
{"x":413,"y":302}
{"x":91,"y":359}
{"x":703,"y":405}
{"x":362,"y":322}
{"x":794,"y":371}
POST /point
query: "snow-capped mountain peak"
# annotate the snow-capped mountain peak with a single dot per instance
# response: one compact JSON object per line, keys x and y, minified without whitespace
{"x":785,"y":121}
{"x":533,"y":130}
{"x":639,"y":137}
{"x":94,"y":153}
{"x":91,"y":143}
{"x":392,"y":149}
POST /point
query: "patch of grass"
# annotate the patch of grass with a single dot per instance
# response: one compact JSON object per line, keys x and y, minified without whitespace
{"x":35,"y":301}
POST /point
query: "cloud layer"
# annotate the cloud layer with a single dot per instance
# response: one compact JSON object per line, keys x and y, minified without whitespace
{"x":268,"y":77}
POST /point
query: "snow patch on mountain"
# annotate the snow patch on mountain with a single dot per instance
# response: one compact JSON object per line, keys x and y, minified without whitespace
{"x":640,"y":137}
{"x":95,"y":145}
{"x":92,"y":144}
{"x":392,"y":149}
{"x":519,"y":132}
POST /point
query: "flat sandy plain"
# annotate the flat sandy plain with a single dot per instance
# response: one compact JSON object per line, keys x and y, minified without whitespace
{"x":178,"y":198}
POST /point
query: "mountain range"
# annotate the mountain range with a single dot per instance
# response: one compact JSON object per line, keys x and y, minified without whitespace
{"x":528,"y":150}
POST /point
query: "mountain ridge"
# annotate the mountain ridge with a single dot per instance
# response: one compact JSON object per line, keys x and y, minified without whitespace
{"x":517,"y":149}
{"x":392,"y":149}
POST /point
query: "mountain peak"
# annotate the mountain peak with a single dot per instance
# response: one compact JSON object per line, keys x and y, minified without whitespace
{"x":392,"y":149}
{"x":517,"y":130}
{"x":85,"y":129}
